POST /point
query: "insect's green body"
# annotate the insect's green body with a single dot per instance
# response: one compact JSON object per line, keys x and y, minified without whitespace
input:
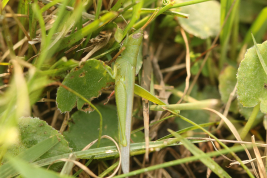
{"x":124,"y":72}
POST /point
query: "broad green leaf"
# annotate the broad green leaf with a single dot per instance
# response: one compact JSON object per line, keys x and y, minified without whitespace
{"x":227,"y":82}
{"x":30,"y":171}
{"x":204,"y":19}
{"x":210,"y":163}
{"x":34,"y":131}
{"x":30,"y":155}
{"x":87,"y":80}
{"x":84,"y":127}
{"x":252,"y":80}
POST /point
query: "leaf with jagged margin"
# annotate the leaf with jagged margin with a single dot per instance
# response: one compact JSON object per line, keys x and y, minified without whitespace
{"x":34,"y":131}
{"x":252,"y":80}
{"x":227,"y":82}
{"x":88,"y":80}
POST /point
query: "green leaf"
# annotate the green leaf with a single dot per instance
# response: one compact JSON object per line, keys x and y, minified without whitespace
{"x":138,"y":90}
{"x":84,"y":127}
{"x":204,"y":19}
{"x":34,"y":131}
{"x":252,"y":80}
{"x":30,"y":155}
{"x":227,"y":82}
{"x":87,"y":80}
{"x":30,"y":171}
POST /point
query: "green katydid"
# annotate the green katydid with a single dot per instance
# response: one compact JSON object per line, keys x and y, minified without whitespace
{"x":124,"y":75}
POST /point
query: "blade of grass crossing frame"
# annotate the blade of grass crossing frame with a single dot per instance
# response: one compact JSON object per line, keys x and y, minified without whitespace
{"x":30,"y":171}
{"x":258,"y":28}
{"x":4,"y":2}
{"x":98,"y":9}
{"x":70,"y":40}
{"x":259,"y":55}
{"x":210,"y":163}
{"x":226,"y":5}
{"x":38,"y":14}
{"x":188,"y":129}
{"x":118,"y":4}
{"x":138,"y":90}
{"x":135,"y":17}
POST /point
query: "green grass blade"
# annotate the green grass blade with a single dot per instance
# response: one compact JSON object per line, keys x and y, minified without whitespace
{"x":70,"y":40}
{"x":47,"y":6}
{"x":110,"y":151}
{"x":226,"y":6}
{"x":186,"y":106}
{"x":223,"y":145}
{"x":258,"y":28}
{"x":187,"y":3}
{"x":108,"y":170}
{"x":135,"y":17}
{"x":259,"y":55}
{"x":4,"y":2}
{"x":98,"y":9}
{"x":30,"y":171}
{"x":138,"y":90}
{"x":189,"y":129}
{"x":197,"y":152}
{"x":38,"y":14}
{"x":118,"y":4}
{"x":66,"y":170}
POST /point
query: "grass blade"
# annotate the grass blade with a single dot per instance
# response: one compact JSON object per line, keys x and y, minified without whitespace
{"x":197,"y":152}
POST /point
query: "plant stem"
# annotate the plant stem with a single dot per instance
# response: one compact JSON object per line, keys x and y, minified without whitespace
{"x":250,"y":122}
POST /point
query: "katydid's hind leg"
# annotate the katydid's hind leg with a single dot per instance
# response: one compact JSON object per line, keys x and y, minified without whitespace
{"x":121,"y":98}
{"x":121,"y":108}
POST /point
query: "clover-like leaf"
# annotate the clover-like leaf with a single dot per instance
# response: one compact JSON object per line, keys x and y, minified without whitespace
{"x":34,"y":131}
{"x":87,"y":80}
{"x":204,"y":19}
{"x":227,"y":82}
{"x":252,"y":80}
